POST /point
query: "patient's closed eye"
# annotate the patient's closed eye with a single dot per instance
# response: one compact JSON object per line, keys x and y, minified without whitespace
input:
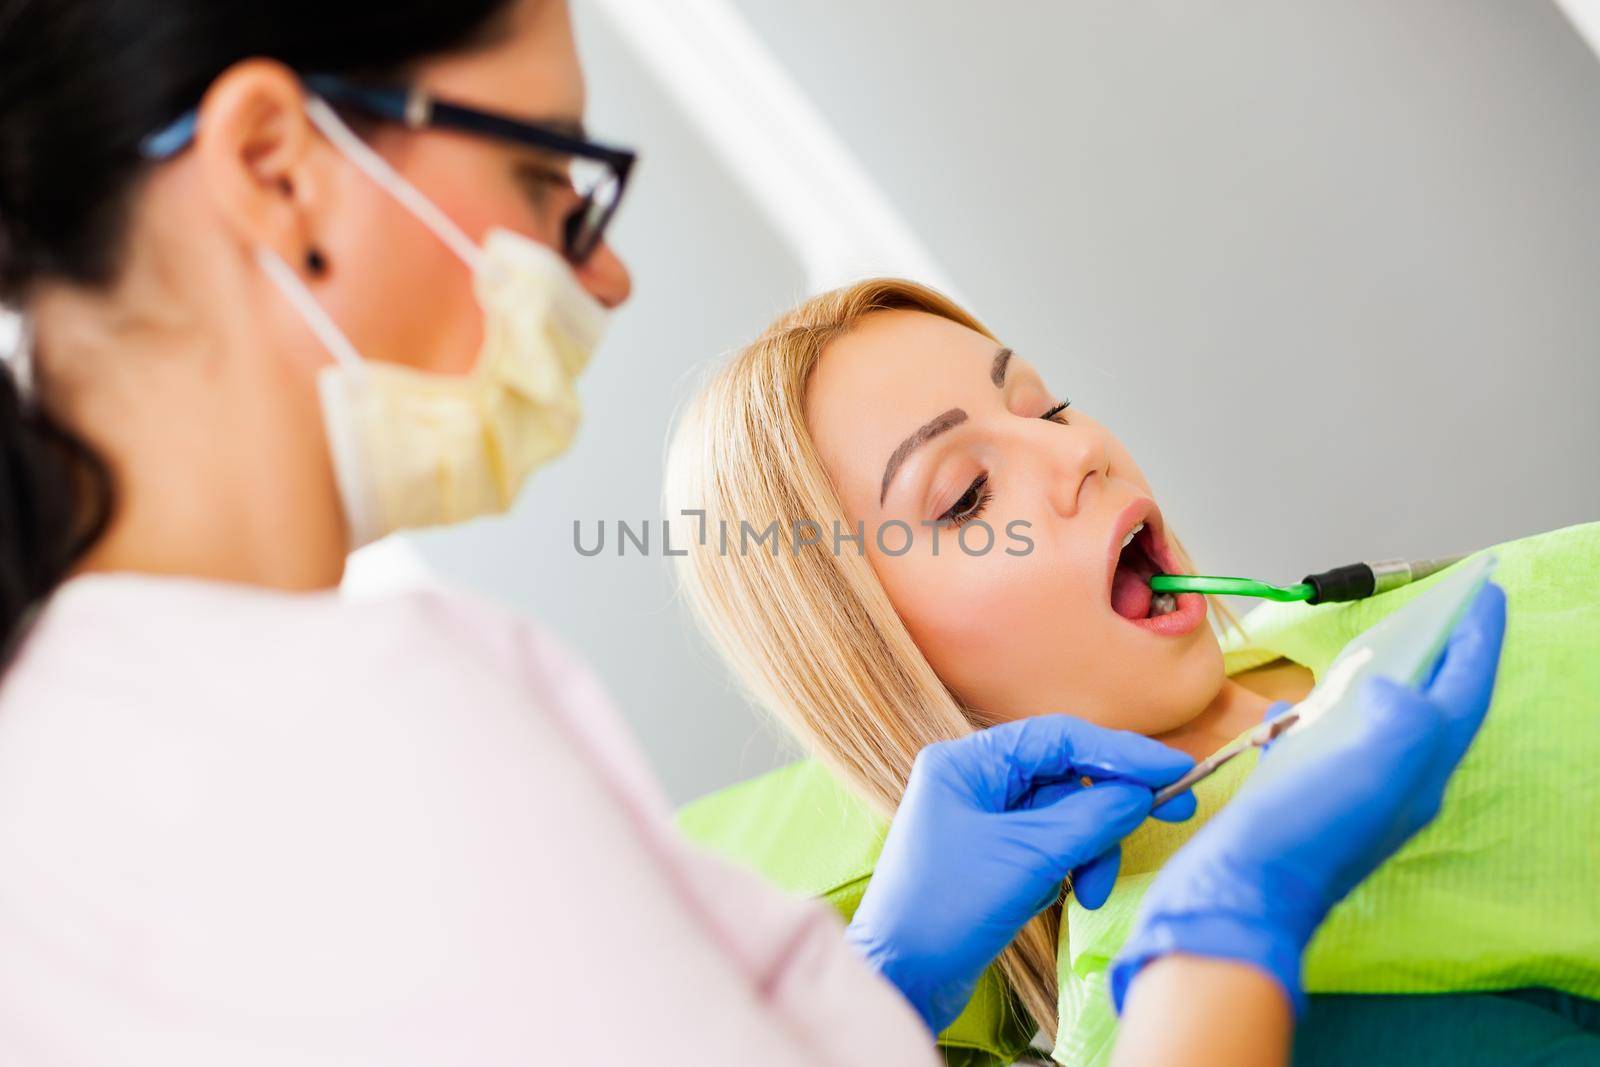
{"x":1057,"y":413}
{"x":971,"y":504}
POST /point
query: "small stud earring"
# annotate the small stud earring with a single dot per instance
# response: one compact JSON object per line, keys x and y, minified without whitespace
{"x":316,"y":262}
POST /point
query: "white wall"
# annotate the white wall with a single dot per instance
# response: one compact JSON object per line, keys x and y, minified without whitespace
{"x":1328,"y":268}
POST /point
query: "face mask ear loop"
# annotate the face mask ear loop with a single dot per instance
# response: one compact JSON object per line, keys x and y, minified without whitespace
{"x":20,"y":357}
{"x":378,"y":169}
{"x":321,"y":323}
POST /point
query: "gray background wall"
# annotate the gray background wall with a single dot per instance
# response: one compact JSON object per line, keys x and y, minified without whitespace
{"x":1328,"y":267}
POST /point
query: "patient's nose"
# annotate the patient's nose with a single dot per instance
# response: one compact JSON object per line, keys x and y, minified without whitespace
{"x":1077,"y":458}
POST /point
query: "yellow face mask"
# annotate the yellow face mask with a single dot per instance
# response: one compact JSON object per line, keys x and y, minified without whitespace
{"x":415,"y":449}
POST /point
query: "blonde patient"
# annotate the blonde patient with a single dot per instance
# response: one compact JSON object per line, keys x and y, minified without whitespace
{"x":887,"y":409}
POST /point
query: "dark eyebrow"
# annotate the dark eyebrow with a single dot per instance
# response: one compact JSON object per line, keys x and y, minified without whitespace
{"x":997,"y":372}
{"x":933,"y":428}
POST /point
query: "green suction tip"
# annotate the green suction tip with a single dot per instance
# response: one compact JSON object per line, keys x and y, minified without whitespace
{"x":1201,"y":583}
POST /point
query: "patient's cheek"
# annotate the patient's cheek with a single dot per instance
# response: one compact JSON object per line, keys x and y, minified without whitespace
{"x":970,"y":604}
{"x":996,"y":636}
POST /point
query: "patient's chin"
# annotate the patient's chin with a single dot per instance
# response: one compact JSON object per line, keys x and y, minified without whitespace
{"x":1184,"y":693}
{"x":1150,"y":712}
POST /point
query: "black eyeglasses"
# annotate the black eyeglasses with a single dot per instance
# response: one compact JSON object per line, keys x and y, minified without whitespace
{"x":598,"y":173}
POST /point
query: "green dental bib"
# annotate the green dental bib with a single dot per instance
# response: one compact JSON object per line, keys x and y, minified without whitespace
{"x":1500,"y":892}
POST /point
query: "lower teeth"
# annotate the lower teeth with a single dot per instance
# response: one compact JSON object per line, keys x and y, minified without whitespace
{"x":1163,"y":604}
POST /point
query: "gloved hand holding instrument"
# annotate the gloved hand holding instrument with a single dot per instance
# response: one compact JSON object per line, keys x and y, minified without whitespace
{"x":989,"y":828}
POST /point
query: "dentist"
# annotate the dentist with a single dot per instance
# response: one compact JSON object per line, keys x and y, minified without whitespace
{"x":298,"y":275}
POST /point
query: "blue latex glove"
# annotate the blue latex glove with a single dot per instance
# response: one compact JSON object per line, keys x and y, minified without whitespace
{"x":1256,"y":882}
{"x":989,"y":827}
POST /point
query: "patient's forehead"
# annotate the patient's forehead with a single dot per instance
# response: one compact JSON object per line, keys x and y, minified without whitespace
{"x":920,"y":355}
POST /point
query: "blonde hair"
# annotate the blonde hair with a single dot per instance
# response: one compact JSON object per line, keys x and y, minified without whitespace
{"x":810,"y":632}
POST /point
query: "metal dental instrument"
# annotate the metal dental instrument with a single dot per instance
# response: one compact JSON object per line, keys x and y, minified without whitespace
{"x":1355,"y":581}
{"x":1260,"y":737}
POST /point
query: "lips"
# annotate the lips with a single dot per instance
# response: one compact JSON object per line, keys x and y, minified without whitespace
{"x":1139,"y":549}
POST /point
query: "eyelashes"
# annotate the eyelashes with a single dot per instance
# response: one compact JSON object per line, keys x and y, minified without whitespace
{"x":980,"y":492}
{"x":971,"y":504}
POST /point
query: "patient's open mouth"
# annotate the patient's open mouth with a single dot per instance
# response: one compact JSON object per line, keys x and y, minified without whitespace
{"x":1130,"y":586}
{"x":1143,"y":553}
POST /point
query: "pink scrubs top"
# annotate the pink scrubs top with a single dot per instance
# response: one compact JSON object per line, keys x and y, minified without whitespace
{"x":246,"y":827}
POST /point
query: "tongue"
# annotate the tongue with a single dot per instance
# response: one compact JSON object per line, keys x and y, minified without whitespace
{"x":1130,"y":591}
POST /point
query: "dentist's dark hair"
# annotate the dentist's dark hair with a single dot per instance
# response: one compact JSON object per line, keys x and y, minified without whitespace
{"x":81,"y":83}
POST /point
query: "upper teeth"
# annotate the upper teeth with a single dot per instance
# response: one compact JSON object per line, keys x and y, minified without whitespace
{"x":1126,"y":541}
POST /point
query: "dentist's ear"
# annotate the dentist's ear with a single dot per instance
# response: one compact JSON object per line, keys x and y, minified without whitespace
{"x":257,"y":153}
